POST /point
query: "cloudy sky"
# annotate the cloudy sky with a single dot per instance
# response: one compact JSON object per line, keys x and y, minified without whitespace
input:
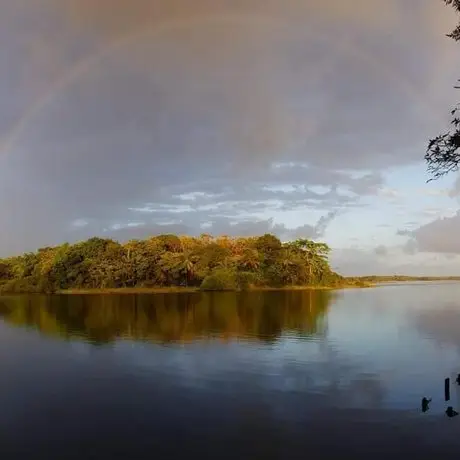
{"x":304,"y":118}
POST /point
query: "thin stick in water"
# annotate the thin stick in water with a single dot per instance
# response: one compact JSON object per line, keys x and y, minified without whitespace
{"x":447,"y":389}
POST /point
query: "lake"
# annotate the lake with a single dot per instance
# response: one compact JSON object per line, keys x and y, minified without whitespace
{"x":269,"y":375}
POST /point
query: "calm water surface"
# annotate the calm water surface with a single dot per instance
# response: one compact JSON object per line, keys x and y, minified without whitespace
{"x":267,"y":375}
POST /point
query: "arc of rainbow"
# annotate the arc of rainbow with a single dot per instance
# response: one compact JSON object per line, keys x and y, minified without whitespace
{"x":84,"y":65}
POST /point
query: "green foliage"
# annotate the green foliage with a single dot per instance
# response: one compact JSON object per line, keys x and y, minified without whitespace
{"x":268,"y":245}
{"x":221,"y":263}
{"x":246,"y":280}
{"x":5,"y":271}
{"x":29,"y":284}
{"x":221,"y":280}
{"x":169,"y":243}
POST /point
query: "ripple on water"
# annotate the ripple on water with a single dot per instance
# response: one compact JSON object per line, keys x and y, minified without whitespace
{"x":274,"y":374}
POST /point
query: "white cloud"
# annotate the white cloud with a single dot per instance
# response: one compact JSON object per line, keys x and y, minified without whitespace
{"x":80,"y":223}
{"x":389,"y":193}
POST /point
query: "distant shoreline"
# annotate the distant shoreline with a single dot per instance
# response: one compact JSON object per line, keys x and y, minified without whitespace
{"x":403,"y":278}
{"x":350,"y":283}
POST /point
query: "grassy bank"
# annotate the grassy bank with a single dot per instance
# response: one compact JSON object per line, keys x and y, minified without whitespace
{"x":178,"y":289}
{"x":182,"y":289}
{"x":130,"y":290}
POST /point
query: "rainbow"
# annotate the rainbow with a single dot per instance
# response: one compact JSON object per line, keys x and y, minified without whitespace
{"x":87,"y":63}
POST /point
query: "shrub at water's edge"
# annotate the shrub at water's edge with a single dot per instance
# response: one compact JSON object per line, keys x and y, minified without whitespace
{"x":170,"y":261}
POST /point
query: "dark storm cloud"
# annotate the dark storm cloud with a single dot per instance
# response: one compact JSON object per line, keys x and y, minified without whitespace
{"x":125,"y":17}
{"x":439,"y":236}
{"x":146,"y":231}
{"x":188,"y":96}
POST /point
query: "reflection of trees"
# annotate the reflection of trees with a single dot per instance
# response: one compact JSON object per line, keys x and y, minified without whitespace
{"x":172,"y":317}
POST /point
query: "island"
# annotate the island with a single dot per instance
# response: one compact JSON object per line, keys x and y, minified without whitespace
{"x":169,"y":262}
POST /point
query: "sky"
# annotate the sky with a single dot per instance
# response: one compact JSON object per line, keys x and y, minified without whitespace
{"x":299,"y":118}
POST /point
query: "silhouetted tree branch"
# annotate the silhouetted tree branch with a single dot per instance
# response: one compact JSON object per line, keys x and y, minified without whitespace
{"x":443,"y":152}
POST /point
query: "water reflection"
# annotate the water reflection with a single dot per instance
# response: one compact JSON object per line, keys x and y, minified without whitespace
{"x":442,"y":324}
{"x":320,"y":371}
{"x":250,"y":375}
{"x":263,"y":316}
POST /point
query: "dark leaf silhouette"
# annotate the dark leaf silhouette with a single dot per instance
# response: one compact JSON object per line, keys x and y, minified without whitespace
{"x":443,"y":155}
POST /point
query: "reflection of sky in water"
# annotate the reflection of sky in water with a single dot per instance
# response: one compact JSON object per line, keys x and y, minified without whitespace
{"x":380,"y":328}
{"x":379,"y":349}
{"x":373,"y":355}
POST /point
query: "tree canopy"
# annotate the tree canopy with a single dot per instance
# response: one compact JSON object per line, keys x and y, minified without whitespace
{"x":443,"y":152}
{"x":221,"y":263}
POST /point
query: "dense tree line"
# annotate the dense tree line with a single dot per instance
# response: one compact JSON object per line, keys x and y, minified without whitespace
{"x":168,"y":260}
{"x":99,"y":319}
